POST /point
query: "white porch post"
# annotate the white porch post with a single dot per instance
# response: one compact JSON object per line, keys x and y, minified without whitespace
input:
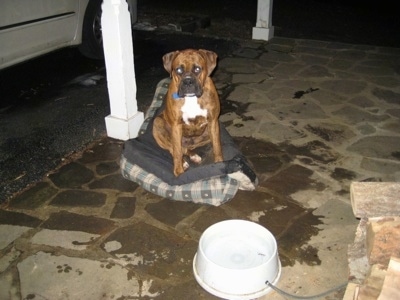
{"x":124,"y":121}
{"x":264,"y":29}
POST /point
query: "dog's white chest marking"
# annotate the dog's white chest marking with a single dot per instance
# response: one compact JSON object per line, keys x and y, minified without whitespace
{"x":191,"y":109}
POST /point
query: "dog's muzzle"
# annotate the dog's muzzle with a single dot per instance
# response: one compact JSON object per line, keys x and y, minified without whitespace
{"x":189,"y":85}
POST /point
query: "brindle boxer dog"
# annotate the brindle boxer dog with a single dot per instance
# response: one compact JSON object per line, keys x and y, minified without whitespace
{"x":190,"y":117}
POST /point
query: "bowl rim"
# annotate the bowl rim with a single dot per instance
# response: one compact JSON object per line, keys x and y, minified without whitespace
{"x":224,"y":295}
{"x":249,"y":223}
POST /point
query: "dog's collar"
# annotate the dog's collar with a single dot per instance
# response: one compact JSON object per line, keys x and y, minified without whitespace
{"x":176,"y":96}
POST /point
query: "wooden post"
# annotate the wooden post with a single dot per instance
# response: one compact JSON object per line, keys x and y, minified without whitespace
{"x":124,"y":121}
{"x":264,"y":29}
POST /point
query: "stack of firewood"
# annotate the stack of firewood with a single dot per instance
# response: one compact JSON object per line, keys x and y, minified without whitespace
{"x":374,"y":257}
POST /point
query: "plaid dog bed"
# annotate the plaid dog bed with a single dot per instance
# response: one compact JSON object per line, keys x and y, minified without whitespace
{"x":145,"y":163}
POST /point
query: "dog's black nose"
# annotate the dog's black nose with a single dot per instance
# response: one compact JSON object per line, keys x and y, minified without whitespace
{"x":188,"y":81}
{"x":189,"y":86}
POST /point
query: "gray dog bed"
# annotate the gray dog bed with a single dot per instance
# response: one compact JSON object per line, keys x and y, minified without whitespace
{"x":145,"y":163}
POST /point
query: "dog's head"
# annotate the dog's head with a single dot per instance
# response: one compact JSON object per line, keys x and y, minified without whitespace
{"x":190,"y":69}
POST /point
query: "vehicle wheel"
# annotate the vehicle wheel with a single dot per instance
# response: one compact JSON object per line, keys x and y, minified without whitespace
{"x":92,"y":39}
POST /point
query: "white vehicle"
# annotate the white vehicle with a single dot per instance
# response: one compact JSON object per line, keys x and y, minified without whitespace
{"x":29,"y":28}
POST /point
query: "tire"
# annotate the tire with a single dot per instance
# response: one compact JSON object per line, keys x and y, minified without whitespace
{"x":92,"y":39}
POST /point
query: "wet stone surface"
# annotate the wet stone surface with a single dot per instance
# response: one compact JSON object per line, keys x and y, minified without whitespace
{"x":18,"y":219}
{"x":114,"y":181}
{"x":34,"y":197}
{"x":314,"y":151}
{"x":295,"y":178}
{"x":372,"y":147}
{"x":154,"y":251}
{"x":331,"y":132}
{"x":107,"y":168}
{"x":124,"y":208}
{"x":102,"y":153}
{"x":64,"y":220}
{"x":72,"y":175}
{"x":290,"y":223}
{"x":79,"y":198}
{"x":171,"y":213}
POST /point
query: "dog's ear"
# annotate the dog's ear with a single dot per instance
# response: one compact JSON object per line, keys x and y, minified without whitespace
{"x":167,"y":60}
{"x":211,"y":59}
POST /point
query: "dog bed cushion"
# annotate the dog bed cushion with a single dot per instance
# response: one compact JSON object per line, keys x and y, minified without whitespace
{"x":145,"y":163}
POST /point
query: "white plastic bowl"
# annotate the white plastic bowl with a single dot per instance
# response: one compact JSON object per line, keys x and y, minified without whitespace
{"x":235,"y":258}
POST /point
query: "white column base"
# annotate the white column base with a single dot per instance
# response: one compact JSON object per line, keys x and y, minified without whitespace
{"x":261,"y":33}
{"x":122,"y":129}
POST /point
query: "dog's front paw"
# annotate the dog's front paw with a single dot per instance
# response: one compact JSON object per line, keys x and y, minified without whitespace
{"x":178,"y":170}
{"x":195,"y":158}
{"x":185,"y":165}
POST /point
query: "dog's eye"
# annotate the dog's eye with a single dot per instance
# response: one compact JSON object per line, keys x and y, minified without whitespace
{"x":196,"y":70}
{"x":179,"y":70}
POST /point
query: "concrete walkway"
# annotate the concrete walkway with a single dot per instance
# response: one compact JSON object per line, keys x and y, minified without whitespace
{"x":311,"y":116}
